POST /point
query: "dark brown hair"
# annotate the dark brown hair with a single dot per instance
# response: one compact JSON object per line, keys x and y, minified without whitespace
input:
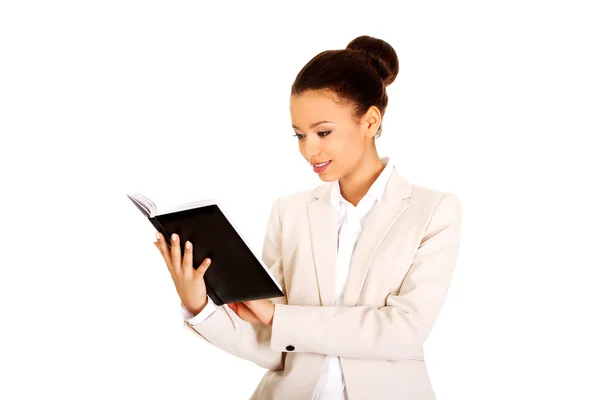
{"x":357,"y":75}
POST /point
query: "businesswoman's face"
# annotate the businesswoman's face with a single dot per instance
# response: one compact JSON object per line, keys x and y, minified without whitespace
{"x":329,"y":137}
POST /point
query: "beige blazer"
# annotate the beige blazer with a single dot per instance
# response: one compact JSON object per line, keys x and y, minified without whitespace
{"x":399,"y":276}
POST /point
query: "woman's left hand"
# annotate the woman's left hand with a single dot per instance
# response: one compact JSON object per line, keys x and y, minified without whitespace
{"x":255,"y":311}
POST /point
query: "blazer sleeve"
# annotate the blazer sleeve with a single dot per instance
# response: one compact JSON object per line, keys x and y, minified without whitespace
{"x":249,"y":341}
{"x":391,"y":332}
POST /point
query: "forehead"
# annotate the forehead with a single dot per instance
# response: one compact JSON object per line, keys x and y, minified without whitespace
{"x":312,"y":106}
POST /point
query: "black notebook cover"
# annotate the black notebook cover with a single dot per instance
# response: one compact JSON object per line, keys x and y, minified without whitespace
{"x":235,"y":273}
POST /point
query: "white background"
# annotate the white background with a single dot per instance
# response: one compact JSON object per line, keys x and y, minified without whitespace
{"x":497,"y":102}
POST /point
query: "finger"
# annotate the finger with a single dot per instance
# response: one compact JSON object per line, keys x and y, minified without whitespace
{"x":261,"y":308}
{"x":162,"y":246}
{"x":237,"y":307}
{"x":187,"y":266}
{"x":175,"y":252}
{"x":203,"y":267}
{"x":253,"y":306}
{"x":246,"y":314}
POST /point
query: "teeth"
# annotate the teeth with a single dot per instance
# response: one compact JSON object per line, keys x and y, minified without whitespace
{"x":322,"y":164}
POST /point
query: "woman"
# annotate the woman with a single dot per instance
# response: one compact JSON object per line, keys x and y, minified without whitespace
{"x":365,"y":259}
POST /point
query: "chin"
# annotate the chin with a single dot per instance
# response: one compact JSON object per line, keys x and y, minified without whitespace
{"x":328,"y":177}
{"x":330,"y":174}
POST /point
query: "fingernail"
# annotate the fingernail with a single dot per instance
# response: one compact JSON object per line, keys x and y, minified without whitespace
{"x":174,"y":237}
{"x":157,"y":236}
{"x":188,"y":245}
{"x":207,"y":261}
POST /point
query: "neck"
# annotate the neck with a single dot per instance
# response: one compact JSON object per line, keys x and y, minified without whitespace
{"x":356,"y":184}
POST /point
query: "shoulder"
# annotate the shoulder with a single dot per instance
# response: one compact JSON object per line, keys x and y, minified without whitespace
{"x":295,"y":203}
{"x":424,"y":194}
{"x":298,"y":200}
{"x":423,"y":199}
{"x":435,"y":202}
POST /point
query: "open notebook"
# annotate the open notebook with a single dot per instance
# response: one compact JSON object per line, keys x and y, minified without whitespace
{"x":236,"y":272}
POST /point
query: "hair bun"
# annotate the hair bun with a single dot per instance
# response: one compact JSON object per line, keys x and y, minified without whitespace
{"x":384,"y":55}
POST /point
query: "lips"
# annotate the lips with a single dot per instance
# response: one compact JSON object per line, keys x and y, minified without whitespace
{"x":320,"y":167}
{"x":322,"y":164}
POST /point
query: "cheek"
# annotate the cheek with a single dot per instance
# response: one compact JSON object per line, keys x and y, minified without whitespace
{"x":347,"y":148}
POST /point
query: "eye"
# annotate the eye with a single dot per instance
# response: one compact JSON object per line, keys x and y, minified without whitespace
{"x":321,"y":134}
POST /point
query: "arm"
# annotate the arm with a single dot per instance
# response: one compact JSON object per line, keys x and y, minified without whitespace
{"x":248,"y":341}
{"x":206,"y":312}
{"x":391,"y":332}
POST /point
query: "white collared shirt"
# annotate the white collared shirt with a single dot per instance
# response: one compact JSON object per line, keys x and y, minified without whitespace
{"x":350,"y":224}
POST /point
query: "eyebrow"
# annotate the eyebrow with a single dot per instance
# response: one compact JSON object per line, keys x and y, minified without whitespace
{"x":312,"y":125}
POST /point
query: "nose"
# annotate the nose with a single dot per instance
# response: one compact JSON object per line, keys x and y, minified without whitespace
{"x":311,"y":147}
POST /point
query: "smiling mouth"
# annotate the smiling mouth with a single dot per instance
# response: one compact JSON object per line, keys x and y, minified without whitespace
{"x":319,"y":165}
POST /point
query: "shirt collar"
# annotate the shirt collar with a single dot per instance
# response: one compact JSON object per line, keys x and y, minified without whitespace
{"x":375,"y":191}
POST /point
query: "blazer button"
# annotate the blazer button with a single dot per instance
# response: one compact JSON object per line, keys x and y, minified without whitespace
{"x":290,"y":348}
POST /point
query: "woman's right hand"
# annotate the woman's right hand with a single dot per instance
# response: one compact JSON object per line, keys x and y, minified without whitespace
{"x":188,"y":281}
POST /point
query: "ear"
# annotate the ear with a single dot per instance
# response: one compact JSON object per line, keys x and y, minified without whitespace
{"x":371,"y":121}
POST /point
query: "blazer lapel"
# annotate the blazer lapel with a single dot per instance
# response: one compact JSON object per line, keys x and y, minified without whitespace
{"x":323,"y":221}
{"x":377,"y":225}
